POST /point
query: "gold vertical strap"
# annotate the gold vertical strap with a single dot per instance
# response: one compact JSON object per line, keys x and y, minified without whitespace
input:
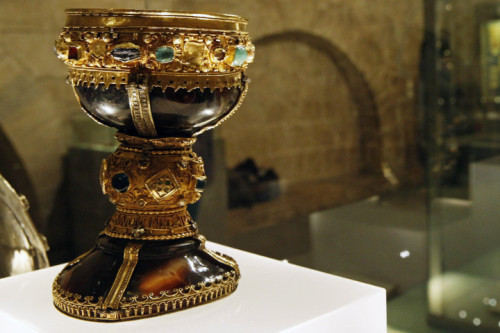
{"x":220,"y":257}
{"x":130,"y":259}
{"x":140,"y":109}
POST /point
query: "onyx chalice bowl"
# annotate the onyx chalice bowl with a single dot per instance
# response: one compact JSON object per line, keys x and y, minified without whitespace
{"x":160,"y":78}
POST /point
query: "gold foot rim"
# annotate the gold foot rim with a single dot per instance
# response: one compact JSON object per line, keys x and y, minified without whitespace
{"x":137,"y":307}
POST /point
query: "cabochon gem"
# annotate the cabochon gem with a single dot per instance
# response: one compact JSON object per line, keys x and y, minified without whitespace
{"x":120,"y":182}
{"x":219,"y":54}
{"x":164,"y":54}
{"x":126,"y":52}
{"x":73,"y":53}
{"x":240,"y":55}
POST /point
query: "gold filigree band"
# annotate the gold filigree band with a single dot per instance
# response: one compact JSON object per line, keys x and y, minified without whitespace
{"x":87,"y":307}
{"x":151,"y":225}
{"x":94,"y":77}
{"x":168,"y":144}
{"x":163,"y":42}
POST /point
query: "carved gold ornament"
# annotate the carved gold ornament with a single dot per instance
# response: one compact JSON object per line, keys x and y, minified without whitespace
{"x":152,"y":188}
{"x":103,"y":49}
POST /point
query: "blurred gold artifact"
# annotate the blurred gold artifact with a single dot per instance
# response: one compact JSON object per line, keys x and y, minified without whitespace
{"x":22,"y":248}
{"x":160,"y":78}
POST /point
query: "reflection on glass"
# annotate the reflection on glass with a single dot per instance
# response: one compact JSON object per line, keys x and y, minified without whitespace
{"x":490,"y":61}
{"x":464,"y":169}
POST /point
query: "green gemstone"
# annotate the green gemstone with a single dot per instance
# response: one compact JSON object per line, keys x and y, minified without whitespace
{"x":164,"y":54}
{"x":240,"y":55}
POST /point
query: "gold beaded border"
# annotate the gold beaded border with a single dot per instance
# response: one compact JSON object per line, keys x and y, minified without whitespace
{"x":86,"y":77}
{"x":89,"y":308}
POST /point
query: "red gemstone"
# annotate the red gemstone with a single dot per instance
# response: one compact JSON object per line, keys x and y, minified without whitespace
{"x":73,"y":52}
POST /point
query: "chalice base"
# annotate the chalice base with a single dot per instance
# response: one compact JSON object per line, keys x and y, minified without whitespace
{"x":121,"y":279}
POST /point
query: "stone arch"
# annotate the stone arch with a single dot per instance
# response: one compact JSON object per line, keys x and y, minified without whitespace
{"x":370,"y":142}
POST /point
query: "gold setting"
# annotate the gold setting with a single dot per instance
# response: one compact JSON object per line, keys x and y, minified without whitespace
{"x":162,"y":182}
{"x":199,"y":45}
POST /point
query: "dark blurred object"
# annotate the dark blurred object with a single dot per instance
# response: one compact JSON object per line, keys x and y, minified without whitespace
{"x":13,"y":169}
{"x":80,"y":209}
{"x":203,"y":147}
{"x":249,"y":184}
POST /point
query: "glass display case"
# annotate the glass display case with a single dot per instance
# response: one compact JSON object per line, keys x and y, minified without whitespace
{"x":462,"y":113}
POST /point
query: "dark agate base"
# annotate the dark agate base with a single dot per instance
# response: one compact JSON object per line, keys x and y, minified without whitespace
{"x":176,"y":113}
{"x":162,"y":266}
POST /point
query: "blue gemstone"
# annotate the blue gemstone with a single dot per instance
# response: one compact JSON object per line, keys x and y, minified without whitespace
{"x":120,"y":182}
{"x":165,"y":54}
{"x":200,"y":184}
{"x":240,"y":55}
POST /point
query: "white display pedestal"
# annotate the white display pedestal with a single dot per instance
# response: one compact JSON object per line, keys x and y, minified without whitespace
{"x":272,"y":296}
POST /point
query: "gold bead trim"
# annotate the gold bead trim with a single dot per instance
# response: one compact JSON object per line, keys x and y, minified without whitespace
{"x":146,"y":144}
{"x":94,"y":77}
{"x":153,"y":152}
{"x":149,"y":238}
{"x":87,"y":307}
{"x":193,"y":81}
{"x":150,"y":212}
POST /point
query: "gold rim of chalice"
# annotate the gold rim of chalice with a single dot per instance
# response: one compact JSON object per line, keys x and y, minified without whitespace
{"x":95,"y":17}
{"x":159,"y":42}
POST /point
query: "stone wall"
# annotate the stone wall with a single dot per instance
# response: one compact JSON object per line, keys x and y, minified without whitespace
{"x":35,"y":102}
{"x":303,"y":115}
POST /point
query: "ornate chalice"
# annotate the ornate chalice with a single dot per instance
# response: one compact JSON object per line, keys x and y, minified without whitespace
{"x":160,"y":78}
